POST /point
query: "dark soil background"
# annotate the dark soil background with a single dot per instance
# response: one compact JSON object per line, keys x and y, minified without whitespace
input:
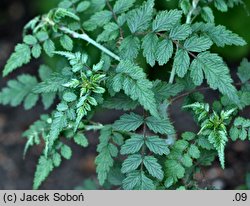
{"x":16,"y":173}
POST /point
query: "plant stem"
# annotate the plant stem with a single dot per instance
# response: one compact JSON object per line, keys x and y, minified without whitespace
{"x":190,"y":13}
{"x":86,"y":38}
{"x":115,"y":18}
{"x":172,"y":75}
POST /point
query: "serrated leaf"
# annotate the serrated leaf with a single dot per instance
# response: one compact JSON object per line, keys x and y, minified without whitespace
{"x":122,"y":6}
{"x":120,"y":101}
{"x":99,"y":19}
{"x":69,"y":97}
{"x":218,"y":139}
{"x":204,"y":143}
{"x":216,"y":73}
{"x":48,"y":99}
{"x":219,"y":34}
{"x":107,"y":151}
{"x":198,"y":44}
{"x":207,"y":14}
{"x":132,"y":179}
{"x":61,"y":107}
{"x":180,"y":32}
{"x":174,"y":170}
{"x":43,"y":169}
{"x":133,"y":81}
{"x":165,"y":90}
{"x":21,"y":56}
{"x":132,"y":145}
{"x":131,"y":163}
{"x":115,"y":177}
{"x":82,"y":6}
{"x":20,"y":90}
{"x":81,"y":140}
{"x":42,"y":36}
{"x":243,"y":134}
{"x":196,"y":72}
{"x":157,"y":145}
{"x":234,"y":133}
{"x":194,"y":152}
{"x":244,"y":70}
{"x":104,"y":162}
{"x":49,"y":47}
{"x":30,"y":101}
{"x":153,"y":167}
{"x":66,"y":152}
{"x":169,"y":182}
{"x":128,"y":122}
{"x":138,"y":19}
{"x":30,"y":40}
{"x":111,"y":32}
{"x":66,"y":42}
{"x":149,"y":45}
{"x":187,"y":161}
{"x":138,"y":180}
{"x":146,"y":183}
{"x":162,"y":126}
{"x":164,"y":51}
{"x":181,"y":62}
{"x":36,"y":51}
{"x":56,"y":158}
{"x":188,"y":136}
{"x":129,"y":48}
{"x":34,"y":132}
{"x":58,"y":123}
{"x":165,"y":20}
{"x":61,"y":13}
{"x":221,"y":5}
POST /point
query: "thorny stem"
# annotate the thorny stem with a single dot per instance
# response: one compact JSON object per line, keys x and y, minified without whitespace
{"x":115,"y":17}
{"x":190,"y":13}
{"x":86,"y":38}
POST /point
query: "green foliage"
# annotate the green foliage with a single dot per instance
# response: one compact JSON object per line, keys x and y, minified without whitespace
{"x":219,"y":34}
{"x":162,"y":126}
{"x":130,"y":40}
{"x":107,"y":151}
{"x":19,"y":91}
{"x":21,"y":56}
{"x":240,"y":129}
{"x":213,"y":126}
{"x":215,"y":72}
{"x":133,"y":81}
{"x":129,"y":122}
{"x":44,"y":167}
{"x":139,"y":19}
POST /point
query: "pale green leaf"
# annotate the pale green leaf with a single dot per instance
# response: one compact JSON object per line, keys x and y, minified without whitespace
{"x":157,"y":145}
{"x":128,"y":122}
{"x":166,"y":20}
{"x":181,"y":62}
{"x":153,"y":167}
{"x":131,"y":163}
{"x":21,"y":56}
{"x":133,"y":144}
